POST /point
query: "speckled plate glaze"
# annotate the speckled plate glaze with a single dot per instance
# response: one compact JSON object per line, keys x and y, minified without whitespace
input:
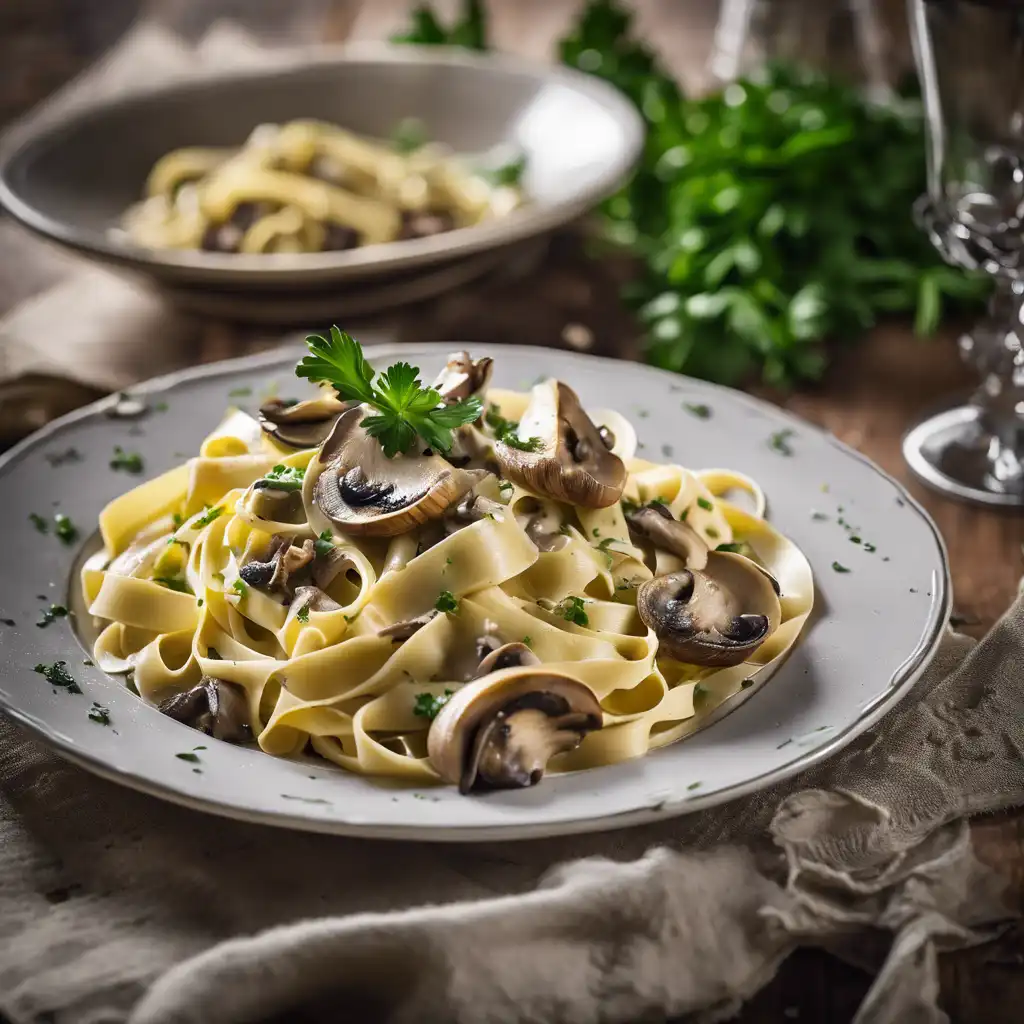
{"x":873,"y":630}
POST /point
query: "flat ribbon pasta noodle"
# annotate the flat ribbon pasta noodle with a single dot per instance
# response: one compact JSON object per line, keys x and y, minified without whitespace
{"x":344,"y":643}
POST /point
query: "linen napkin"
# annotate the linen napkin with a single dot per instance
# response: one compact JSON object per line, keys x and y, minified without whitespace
{"x":115,"y":907}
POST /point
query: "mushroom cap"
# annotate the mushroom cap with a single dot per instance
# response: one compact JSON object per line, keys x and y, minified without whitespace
{"x":361,"y":491}
{"x":656,"y":524}
{"x":573,"y":464}
{"x":715,"y":617}
{"x":301,"y":424}
{"x":513,"y":655}
{"x":557,"y":712}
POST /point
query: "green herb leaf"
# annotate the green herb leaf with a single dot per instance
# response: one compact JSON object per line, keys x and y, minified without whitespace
{"x":839,"y":568}
{"x":303,"y":614}
{"x":405,"y":408}
{"x":188,"y":756}
{"x":507,"y":174}
{"x":324,"y":544}
{"x":409,"y":135}
{"x":209,"y":515}
{"x":65,"y":529}
{"x":446,"y":602}
{"x":51,"y":614}
{"x":57,"y":675}
{"x":130,"y":462}
{"x":428,"y":705}
{"x":99,"y":714}
{"x":779,"y":441}
{"x":39,"y":522}
{"x":282,"y":478}
{"x":705,"y":504}
{"x":240,"y":587}
{"x":572,"y":610}
{"x":506,"y":431}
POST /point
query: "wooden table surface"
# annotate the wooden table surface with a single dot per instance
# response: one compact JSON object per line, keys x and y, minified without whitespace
{"x":873,"y":391}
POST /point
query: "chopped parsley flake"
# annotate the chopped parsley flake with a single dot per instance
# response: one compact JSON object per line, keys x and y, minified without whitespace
{"x":572,"y":610}
{"x":57,"y":675}
{"x":694,"y":785}
{"x":428,"y":705}
{"x":188,"y":756}
{"x":8,"y":622}
{"x":39,"y":522}
{"x":746,"y":684}
{"x":161,"y":407}
{"x":240,"y":587}
{"x":282,"y":478}
{"x":324,"y":544}
{"x":705,"y":504}
{"x":870,"y":548}
{"x":819,"y":517}
{"x":209,"y":515}
{"x":505,"y":488}
{"x":303,"y":613}
{"x":712,"y":532}
{"x":177,"y":519}
{"x":734,"y":548}
{"x":65,"y":529}
{"x":505,"y":431}
{"x":130,"y":462}
{"x":701,"y":411}
{"x":51,"y":614}
{"x":779,"y":441}
{"x":446,"y":602}
{"x":528,"y":641}
{"x":837,"y":567}
{"x":99,"y":714}
{"x":854,"y":539}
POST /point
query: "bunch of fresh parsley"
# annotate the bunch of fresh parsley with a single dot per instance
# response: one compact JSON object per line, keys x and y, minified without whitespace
{"x":405,"y":408}
{"x":768,"y":217}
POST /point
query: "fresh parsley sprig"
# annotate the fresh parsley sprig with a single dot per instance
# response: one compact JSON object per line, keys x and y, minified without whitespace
{"x":405,"y":408}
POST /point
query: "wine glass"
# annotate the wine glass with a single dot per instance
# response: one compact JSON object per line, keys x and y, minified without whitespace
{"x":970,"y":60}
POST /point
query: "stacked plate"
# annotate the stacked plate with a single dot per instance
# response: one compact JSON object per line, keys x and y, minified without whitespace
{"x":71,"y":178}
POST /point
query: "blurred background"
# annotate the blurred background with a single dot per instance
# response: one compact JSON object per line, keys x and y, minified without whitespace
{"x":771,"y":237}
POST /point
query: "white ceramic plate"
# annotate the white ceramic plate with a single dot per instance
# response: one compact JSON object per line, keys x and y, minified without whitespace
{"x":872,"y":632}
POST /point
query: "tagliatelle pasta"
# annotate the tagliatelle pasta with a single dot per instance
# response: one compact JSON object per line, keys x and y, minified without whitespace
{"x":244,"y":600}
{"x":308,"y":186}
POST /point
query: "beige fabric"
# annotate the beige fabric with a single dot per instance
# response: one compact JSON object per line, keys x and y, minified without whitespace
{"x":104,"y":892}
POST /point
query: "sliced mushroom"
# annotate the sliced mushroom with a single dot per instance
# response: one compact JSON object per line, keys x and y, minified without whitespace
{"x":500,"y":731}
{"x":463,"y":377}
{"x":285,"y":561}
{"x":542,"y":523}
{"x":403,"y":630}
{"x":315,"y":600}
{"x":361,"y":491}
{"x":655,"y":523}
{"x":326,"y":568}
{"x":471,"y":509}
{"x":213,"y":706}
{"x":572,"y":462}
{"x":513,"y":655}
{"x":301,"y":424}
{"x":715,"y":617}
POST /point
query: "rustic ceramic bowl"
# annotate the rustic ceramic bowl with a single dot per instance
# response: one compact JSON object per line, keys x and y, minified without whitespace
{"x":70,"y":178}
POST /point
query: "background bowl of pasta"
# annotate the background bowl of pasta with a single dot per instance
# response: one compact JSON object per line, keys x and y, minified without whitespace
{"x":329,"y":172}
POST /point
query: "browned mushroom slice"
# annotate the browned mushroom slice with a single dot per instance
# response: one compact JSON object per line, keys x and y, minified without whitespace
{"x":285,"y":561}
{"x":716,"y":617}
{"x":213,"y":706}
{"x":656,"y":524}
{"x":463,"y":377}
{"x":558,"y":452}
{"x":513,"y":655}
{"x":399,"y":631}
{"x":301,"y":424}
{"x":361,"y":491}
{"x":500,"y":731}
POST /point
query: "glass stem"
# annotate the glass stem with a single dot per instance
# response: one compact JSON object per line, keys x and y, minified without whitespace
{"x":996,"y":349}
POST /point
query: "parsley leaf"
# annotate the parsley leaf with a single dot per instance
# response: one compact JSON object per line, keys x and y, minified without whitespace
{"x":130,"y":462}
{"x":447,"y":602}
{"x":282,"y":478}
{"x":572,"y":610}
{"x":57,"y":675}
{"x":405,"y":408}
{"x":507,"y":432}
{"x":65,"y":529}
{"x":303,"y":613}
{"x":427,"y":705}
{"x":39,"y":522}
{"x":705,"y":504}
{"x":240,"y":587}
{"x":209,"y":515}
{"x":324,"y":544}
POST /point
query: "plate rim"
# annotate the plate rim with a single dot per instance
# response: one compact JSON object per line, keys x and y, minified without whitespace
{"x":267,"y":270}
{"x":900,"y":683}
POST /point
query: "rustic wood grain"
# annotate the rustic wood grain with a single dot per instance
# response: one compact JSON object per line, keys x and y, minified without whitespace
{"x":873,"y":392}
